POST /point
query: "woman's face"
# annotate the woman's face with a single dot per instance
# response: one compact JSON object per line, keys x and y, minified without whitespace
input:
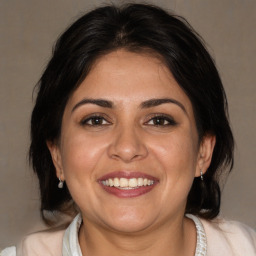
{"x":129,"y":148}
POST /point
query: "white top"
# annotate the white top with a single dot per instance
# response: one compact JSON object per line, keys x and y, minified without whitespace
{"x":70,"y":246}
{"x":216,"y":237}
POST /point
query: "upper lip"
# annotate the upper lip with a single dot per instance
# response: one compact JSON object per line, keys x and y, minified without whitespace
{"x":127,"y":175}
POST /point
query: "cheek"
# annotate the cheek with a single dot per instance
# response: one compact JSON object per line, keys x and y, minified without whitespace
{"x":177,"y":155}
{"x":176,"y":150}
{"x":80,"y":155}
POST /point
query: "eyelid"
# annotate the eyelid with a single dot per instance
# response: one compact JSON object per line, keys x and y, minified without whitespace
{"x":167,"y":117}
{"x":85,"y":119}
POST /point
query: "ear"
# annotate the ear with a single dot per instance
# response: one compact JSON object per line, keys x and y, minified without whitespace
{"x":205,"y":153}
{"x":56,"y":158}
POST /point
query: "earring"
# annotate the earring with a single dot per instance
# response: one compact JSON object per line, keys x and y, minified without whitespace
{"x":201,"y":174}
{"x":61,"y":183}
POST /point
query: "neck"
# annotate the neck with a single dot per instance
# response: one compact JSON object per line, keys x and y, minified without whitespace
{"x":173,"y":238}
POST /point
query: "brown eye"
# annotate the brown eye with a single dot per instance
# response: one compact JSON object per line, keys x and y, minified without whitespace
{"x":95,"y":121}
{"x":161,"y":121}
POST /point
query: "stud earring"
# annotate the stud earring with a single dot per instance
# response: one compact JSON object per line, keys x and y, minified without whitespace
{"x":61,"y":183}
{"x":201,"y":174}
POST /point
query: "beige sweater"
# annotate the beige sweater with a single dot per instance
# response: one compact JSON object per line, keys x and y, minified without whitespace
{"x":224,"y":238}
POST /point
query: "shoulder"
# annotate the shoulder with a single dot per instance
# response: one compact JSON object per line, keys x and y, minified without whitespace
{"x":229,"y":238}
{"x":41,"y":243}
{"x":10,"y":251}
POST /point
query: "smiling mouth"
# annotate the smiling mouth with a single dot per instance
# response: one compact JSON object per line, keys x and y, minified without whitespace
{"x":124,"y":183}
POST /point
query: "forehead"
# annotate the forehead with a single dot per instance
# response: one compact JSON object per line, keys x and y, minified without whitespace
{"x":125,"y":77}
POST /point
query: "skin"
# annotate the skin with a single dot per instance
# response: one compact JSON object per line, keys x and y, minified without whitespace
{"x":160,"y":140}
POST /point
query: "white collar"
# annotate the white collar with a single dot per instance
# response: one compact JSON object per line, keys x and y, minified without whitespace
{"x":70,"y":245}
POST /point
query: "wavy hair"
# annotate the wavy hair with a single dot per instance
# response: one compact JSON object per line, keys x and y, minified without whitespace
{"x":136,"y":28}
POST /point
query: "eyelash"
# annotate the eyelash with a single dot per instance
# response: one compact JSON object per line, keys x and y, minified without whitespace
{"x":89,"y":121}
{"x":163,"y":120}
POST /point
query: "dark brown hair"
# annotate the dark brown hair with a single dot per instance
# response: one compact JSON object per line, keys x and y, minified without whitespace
{"x":136,"y":28}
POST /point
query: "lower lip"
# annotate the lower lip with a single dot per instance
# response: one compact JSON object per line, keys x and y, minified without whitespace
{"x":128,"y":193}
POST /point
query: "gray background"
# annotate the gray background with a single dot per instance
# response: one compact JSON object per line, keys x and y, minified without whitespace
{"x":28,"y":30}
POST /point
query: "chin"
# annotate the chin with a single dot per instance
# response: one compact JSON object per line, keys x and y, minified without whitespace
{"x":129,"y":221}
{"x":129,"y":227}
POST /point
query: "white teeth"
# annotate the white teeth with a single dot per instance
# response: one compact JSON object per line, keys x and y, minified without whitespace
{"x":111,"y":183}
{"x":133,"y":183}
{"x":140,"y":182}
{"x":150,"y":182}
{"x":124,"y":183}
{"x":116,"y":182}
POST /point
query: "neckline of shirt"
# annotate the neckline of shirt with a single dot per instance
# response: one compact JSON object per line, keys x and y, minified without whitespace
{"x":71,"y":247}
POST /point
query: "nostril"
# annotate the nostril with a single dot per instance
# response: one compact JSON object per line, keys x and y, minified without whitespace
{"x":127,"y":148}
{"x":126,"y":157}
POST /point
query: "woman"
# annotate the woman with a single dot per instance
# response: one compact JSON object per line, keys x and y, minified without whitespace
{"x":130,"y":134}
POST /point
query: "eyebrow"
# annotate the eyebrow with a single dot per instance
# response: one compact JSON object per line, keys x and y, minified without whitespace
{"x":146,"y":104}
{"x":98,"y":102}
{"x":156,"y":102}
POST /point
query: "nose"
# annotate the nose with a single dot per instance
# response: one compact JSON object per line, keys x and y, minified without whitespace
{"x":127,"y":145}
